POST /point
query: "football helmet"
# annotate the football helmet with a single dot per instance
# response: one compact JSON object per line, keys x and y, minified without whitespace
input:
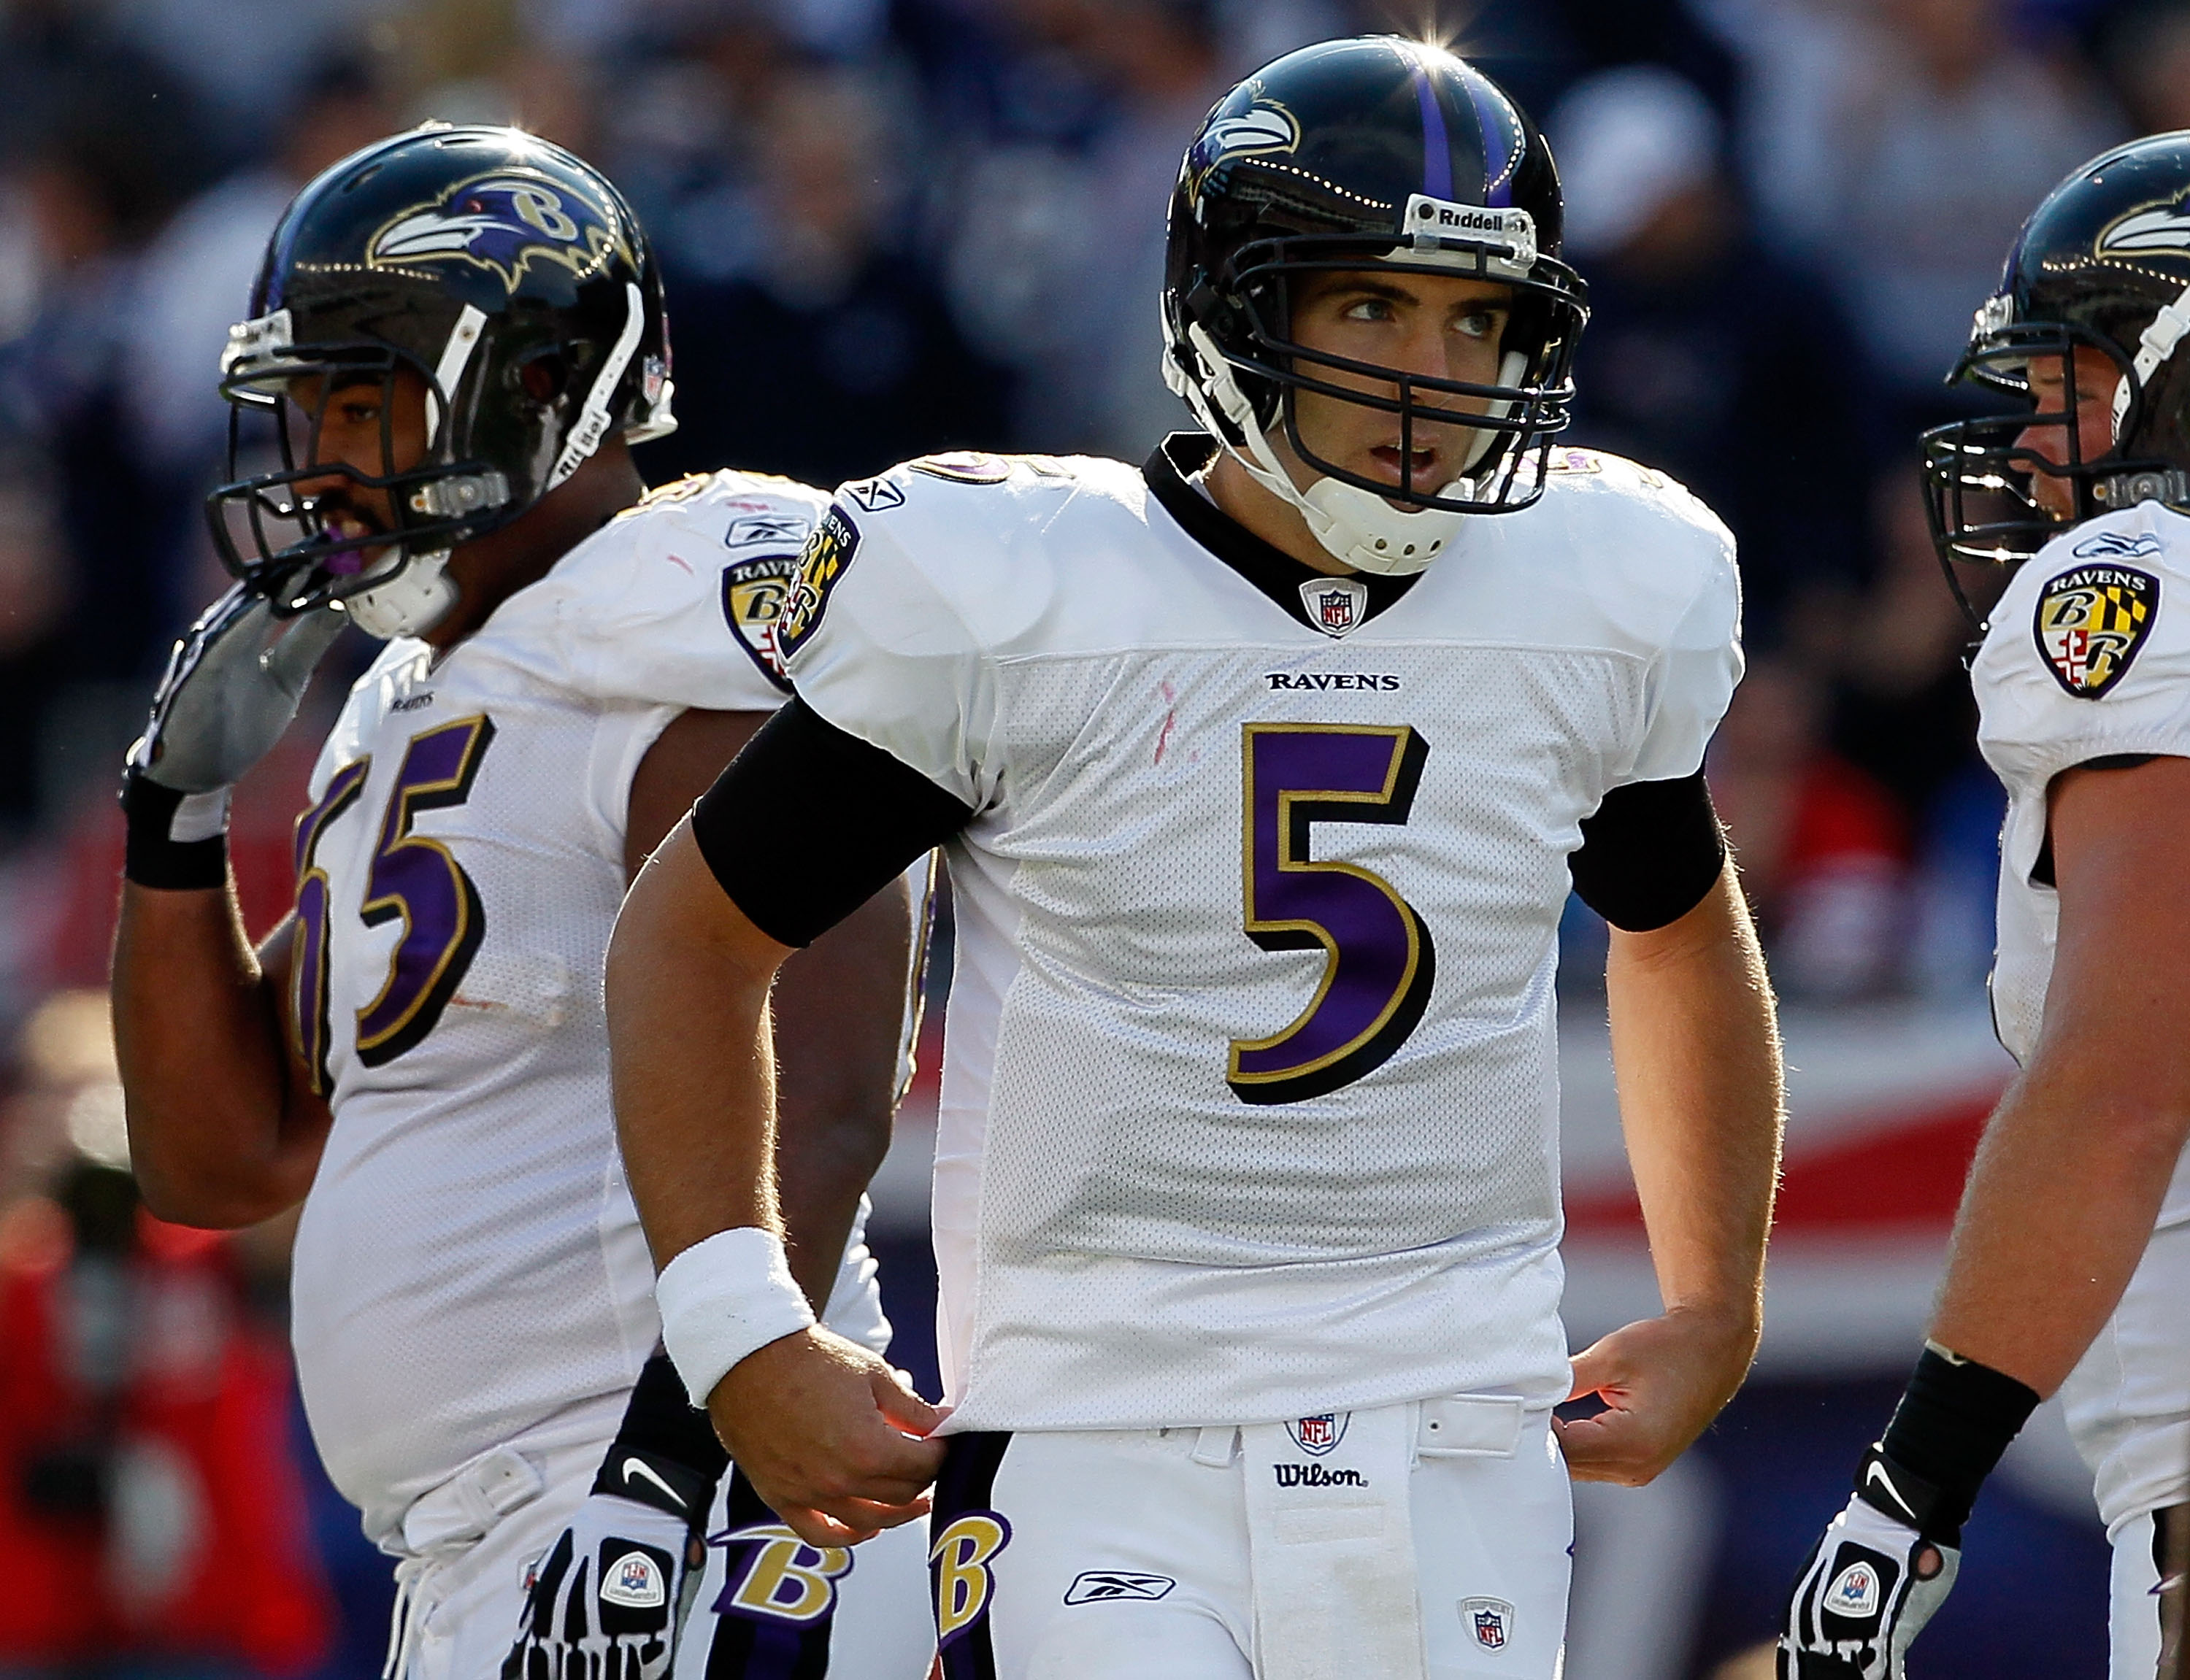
{"x":2103,"y":263}
{"x":1376,"y":153}
{"x":508,"y":277}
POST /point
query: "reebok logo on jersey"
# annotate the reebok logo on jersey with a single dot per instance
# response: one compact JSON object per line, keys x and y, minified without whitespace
{"x":1323,"y":681}
{"x":2117,"y":546}
{"x":2090,"y":624}
{"x":1317,"y":1475}
{"x":875,"y":495}
{"x":757,"y":530}
{"x":1097,"y":1587}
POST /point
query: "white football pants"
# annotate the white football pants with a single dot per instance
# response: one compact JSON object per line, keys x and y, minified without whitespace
{"x":1427,"y":1541}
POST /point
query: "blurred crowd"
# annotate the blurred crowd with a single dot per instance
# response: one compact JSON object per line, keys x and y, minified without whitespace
{"x":891,"y":227}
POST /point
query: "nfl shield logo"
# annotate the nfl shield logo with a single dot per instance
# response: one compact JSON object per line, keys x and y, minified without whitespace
{"x":1491,"y":1620}
{"x":1334,"y":605}
{"x":1317,"y":1435}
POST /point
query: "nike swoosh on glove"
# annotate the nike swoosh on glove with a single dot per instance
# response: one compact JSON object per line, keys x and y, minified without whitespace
{"x":603,"y":1603}
{"x":1869,"y":1585}
{"x":227,"y":694}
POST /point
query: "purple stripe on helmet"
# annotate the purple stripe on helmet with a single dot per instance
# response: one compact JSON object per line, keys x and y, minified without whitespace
{"x":1494,"y":118}
{"x":1436,"y":148}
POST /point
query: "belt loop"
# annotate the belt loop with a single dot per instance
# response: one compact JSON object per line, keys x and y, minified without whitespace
{"x":1218,"y":1446}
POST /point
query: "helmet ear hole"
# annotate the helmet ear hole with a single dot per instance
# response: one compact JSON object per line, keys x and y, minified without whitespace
{"x":543,"y":374}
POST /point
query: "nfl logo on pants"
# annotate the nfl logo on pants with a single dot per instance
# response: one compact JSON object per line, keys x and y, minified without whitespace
{"x":1491,"y":1620}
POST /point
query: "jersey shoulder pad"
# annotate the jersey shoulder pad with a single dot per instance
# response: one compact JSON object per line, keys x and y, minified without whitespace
{"x":1003,"y":486}
{"x":674,"y":600}
{"x":2090,"y":642}
{"x":1594,"y":477}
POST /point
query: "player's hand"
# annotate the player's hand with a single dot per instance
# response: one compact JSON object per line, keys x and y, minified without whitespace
{"x":1868,"y":1588}
{"x":828,"y":1435}
{"x":229,"y":693}
{"x":603,"y":1601}
{"x":1662,"y":1381}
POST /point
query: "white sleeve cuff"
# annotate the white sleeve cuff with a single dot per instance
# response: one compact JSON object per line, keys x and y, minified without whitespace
{"x":722,"y":1298}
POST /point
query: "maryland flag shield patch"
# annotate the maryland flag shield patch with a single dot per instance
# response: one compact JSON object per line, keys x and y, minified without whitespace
{"x":828,"y":551}
{"x":2091,"y":623}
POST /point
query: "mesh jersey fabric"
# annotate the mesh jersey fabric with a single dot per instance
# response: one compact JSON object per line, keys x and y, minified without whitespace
{"x":468,"y":1261}
{"x":2031,"y":728}
{"x":2123,"y":1401}
{"x":1124,"y":1242}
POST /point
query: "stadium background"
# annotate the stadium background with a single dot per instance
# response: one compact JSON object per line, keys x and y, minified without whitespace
{"x":892,"y":226}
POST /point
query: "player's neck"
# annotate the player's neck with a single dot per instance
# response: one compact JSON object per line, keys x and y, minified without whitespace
{"x":1277,"y":522}
{"x":488,"y":572}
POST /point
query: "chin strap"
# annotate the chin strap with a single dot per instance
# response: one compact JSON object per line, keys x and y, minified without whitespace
{"x":1356,"y":526}
{"x":2153,"y":347}
{"x":410,"y":603}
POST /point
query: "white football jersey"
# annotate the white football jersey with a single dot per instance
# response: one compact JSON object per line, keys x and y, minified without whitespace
{"x":469,"y":1263}
{"x":2088,"y":656}
{"x":1250,"y":1104}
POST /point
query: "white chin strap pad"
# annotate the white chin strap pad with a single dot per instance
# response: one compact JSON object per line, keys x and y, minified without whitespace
{"x":1355,"y":526}
{"x":410,"y":603}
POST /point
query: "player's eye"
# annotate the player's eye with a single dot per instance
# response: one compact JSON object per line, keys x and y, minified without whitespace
{"x":1481,"y":323}
{"x":1370,"y":309}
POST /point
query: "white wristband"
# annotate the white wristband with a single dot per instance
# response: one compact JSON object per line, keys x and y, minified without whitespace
{"x":723,"y":1299}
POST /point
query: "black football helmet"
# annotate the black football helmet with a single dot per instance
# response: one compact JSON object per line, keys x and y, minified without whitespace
{"x":513,"y":280}
{"x":2104,"y":264}
{"x":1383,"y":153}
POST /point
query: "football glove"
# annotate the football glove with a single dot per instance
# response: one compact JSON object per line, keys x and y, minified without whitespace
{"x":603,"y":1603}
{"x":1869,"y":1585}
{"x":227,"y":694}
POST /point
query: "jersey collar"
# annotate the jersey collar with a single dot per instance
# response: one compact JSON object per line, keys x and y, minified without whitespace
{"x":1270,"y":569}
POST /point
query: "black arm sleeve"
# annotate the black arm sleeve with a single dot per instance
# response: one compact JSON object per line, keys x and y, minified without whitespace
{"x":1650,"y":853}
{"x":809,"y":822}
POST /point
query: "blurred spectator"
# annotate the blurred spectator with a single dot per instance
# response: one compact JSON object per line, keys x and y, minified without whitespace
{"x":195,"y":278}
{"x":1899,"y":145}
{"x":835,"y":356}
{"x":2145,"y":52}
{"x":1906,"y":715}
{"x":1704,"y":356}
{"x":150,"y":1509}
{"x":1823,"y":847}
{"x":1058,"y":264}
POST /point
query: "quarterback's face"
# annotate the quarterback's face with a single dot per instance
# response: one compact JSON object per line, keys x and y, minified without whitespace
{"x":2093,"y":397}
{"x":350,"y":432}
{"x":1436,"y":326}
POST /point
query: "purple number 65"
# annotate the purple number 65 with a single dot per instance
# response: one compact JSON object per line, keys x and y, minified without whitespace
{"x":1379,"y":963}
{"x":420,"y":881}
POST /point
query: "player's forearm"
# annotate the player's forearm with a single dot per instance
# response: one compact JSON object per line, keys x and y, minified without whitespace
{"x":691,"y":1055}
{"x":839,"y":1014}
{"x":203,"y":1067}
{"x":1696,"y":1051}
{"x":2058,"y":1210}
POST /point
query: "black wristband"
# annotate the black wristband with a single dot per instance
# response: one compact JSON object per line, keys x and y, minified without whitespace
{"x":1955,"y":1420}
{"x":665,"y":1454}
{"x":152,"y":854}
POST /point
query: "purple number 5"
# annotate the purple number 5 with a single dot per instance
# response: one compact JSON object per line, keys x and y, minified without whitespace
{"x":1379,"y":963}
{"x":420,"y":881}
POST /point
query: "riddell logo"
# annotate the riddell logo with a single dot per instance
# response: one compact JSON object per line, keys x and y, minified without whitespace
{"x":1318,"y":1475}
